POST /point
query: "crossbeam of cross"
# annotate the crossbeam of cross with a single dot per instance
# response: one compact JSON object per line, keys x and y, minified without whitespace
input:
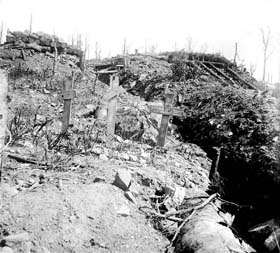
{"x":167,"y":111}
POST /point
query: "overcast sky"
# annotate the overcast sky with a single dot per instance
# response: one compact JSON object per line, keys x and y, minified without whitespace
{"x":213,"y":25}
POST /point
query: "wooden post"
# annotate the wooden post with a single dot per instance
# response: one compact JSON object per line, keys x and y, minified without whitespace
{"x":3,"y":113}
{"x":112,"y":104}
{"x":167,"y":112}
{"x":67,"y":96}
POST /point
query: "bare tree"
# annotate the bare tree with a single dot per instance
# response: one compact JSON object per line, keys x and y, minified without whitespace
{"x":124,"y":47}
{"x":203,"y":48}
{"x":235,"y":53}
{"x":30,"y":23}
{"x":1,"y":31}
{"x":97,"y":51}
{"x":189,"y":45}
{"x":266,"y":41}
{"x":86,"y":47}
{"x":153,"y":49}
{"x":252,"y":69}
{"x":79,"y":42}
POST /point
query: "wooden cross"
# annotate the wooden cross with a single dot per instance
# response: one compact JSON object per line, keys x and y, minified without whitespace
{"x":67,"y":96}
{"x":166,"y":112}
{"x":111,"y":97}
{"x":3,"y":114}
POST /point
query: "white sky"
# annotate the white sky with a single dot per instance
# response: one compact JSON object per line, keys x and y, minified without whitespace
{"x":164,"y":23}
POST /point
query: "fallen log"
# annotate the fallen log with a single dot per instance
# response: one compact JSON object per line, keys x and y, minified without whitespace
{"x":212,"y":73}
{"x":238,"y":77}
{"x":222,"y":74}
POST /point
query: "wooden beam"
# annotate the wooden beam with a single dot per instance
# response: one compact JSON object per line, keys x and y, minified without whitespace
{"x":67,"y":96}
{"x":3,"y":113}
{"x":212,"y":73}
{"x":222,"y":74}
{"x":238,"y":77}
{"x":164,"y":121}
{"x":112,"y":105}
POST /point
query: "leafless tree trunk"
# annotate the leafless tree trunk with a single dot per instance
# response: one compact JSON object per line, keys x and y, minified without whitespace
{"x":266,"y":41}
{"x":1,"y":32}
{"x":30,"y":24}
{"x":153,"y":49}
{"x":235,"y":53}
{"x":96,"y":50}
{"x":189,"y":46}
{"x":252,"y":69}
{"x":79,"y":43}
{"x":124,"y":47}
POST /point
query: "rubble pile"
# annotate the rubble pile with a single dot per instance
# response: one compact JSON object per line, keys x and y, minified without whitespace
{"x":38,"y":56}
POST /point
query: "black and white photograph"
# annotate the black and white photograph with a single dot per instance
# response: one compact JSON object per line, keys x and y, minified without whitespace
{"x":139,"y":126}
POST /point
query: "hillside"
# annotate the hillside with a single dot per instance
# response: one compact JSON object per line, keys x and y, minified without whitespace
{"x":84,"y":192}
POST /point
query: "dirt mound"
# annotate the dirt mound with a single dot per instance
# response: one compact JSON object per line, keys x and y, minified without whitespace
{"x":80,"y":218}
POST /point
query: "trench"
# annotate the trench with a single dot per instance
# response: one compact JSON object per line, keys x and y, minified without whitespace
{"x":255,"y":194}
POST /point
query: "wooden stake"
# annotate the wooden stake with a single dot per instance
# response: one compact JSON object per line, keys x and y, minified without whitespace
{"x":67,"y":96}
{"x":112,"y":105}
{"x":3,"y":113}
{"x":166,"y":113}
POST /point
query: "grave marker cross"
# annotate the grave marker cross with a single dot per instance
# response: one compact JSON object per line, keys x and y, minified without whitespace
{"x":166,"y":112}
{"x":111,"y":97}
{"x":67,"y":96}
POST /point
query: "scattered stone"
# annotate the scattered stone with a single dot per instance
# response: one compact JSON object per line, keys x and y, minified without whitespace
{"x":9,"y":190}
{"x":130,"y":197}
{"x":134,"y":189}
{"x":45,"y":250}
{"x":124,"y":156}
{"x":123,"y":179}
{"x":6,"y":250}
{"x":103,"y":157}
{"x":20,"y":237}
{"x":99,"y":179}
{"x":97,"y":150}
{"x":133,"y":158}
{"x":176,"y":196}
{"x":124,"y":211}
{"x":142,"y":161}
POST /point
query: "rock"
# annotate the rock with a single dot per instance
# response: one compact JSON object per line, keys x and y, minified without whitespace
{"x":20,"y":237}
{"x":124,"y":156}
{"x":130,"y":197}
{"x":134,"y":189}
{"x":9,"y":190}
{"x":97,"y":150}
{"x":133,"y":158}
{"x":6,"y":250}
{"x":273,"y":240}
{"x":123,"y":179}
{"x":176,"y":196}
{"x":45,"y":250}
{"x":99,"y":179}
{"x":124,"y":211}
{"x":103,"y":157}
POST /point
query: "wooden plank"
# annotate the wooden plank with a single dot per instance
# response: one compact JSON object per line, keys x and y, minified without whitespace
{"x":212,"y":73}
{"x":167,"y":111}
{"x":164,"y":121}
{"x":112,"y":105}
{"x":66,"y":107}
{"x":222,"y":74}
{"x":3,"y":113}
{"x":238,"y":77}
{"x":69,"y":94}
